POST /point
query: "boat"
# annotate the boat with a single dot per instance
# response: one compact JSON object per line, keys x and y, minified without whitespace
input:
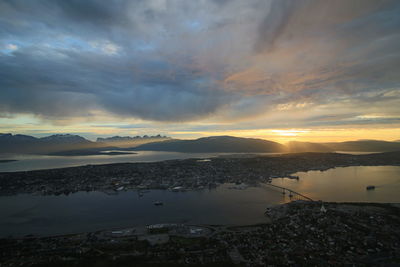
{"x":177,"y":189}
{"x":371,"y":187}
{"x":158,"y":203}
{"x":267,"y":211}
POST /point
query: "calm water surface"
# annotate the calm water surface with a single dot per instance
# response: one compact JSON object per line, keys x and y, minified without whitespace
{"x":38,"y":162}
{"x":80,"y":212}
{"x":348,"y":184}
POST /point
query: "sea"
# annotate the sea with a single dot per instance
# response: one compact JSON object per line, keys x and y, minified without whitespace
{"x":228,"y":204}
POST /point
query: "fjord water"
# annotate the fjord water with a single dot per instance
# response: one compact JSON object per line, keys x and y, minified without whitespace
{"x":80,"y":212}
{"x":348,"y":184}
{"x":39,"y":162}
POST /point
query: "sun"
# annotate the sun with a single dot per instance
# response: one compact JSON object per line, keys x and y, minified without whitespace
{"x":290,"y":132}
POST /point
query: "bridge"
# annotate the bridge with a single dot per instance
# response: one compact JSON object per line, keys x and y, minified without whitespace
{"x":292,"y":194}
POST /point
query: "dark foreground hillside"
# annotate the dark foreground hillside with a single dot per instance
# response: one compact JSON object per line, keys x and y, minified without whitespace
{"x":299,"y":234}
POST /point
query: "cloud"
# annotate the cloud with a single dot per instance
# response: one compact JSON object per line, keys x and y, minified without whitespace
{"x":175,"y":61}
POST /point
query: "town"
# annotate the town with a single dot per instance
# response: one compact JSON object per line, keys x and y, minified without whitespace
{"x":181,"y":175}
{"x":301,"y":233}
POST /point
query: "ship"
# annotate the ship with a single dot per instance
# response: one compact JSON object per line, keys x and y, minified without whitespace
{"x":370,"y":187}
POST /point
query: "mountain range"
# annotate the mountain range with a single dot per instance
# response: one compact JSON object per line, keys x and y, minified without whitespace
{"x":128,"y":141}
{"x":28,"y":144}
{"x":54,"y":144}
{"x":67,"y":144}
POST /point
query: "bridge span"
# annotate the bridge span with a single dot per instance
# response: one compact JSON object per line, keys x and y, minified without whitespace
{"x":292,"y":194}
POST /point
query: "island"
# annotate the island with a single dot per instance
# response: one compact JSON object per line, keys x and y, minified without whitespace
{"x":92,"y":152}
{"x":188,"y":174}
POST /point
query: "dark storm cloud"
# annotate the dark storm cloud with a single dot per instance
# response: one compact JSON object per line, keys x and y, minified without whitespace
{"x":185,"y":60}
{"x":75,"y":84}
{"x":70,"y":79}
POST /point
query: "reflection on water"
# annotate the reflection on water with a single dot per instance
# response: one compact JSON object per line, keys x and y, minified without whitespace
{"x":348,"y":184}
{"x":79,"y":212}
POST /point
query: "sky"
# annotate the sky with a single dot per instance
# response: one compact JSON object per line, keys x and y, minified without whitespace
{"x":282,"y":70}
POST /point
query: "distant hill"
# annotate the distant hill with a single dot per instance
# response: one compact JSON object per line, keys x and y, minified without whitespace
{"x":227,"y":144}
{"x":350,"y":146}
{"x":64,"y":139}
{"x":68,"y":144}
{"x":296,"y":147}
{"x":128,"y":141}
{"x":129,"y":138}
{"x":365,"y":146}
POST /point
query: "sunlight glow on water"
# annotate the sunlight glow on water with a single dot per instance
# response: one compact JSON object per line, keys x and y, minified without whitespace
{"x":348,"y":184}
